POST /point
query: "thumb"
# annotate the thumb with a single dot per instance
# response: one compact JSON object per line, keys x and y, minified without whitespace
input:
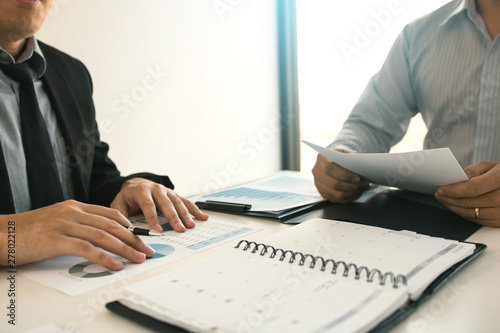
{"x":479,"y":169}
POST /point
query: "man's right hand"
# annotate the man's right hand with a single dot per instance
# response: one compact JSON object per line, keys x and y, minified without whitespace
{"x":335,"y":183}
{"x":72,"y":228}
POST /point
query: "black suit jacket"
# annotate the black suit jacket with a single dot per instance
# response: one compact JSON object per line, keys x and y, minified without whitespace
{"x":95,"y":177}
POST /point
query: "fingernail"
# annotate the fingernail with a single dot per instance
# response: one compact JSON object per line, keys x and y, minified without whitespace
{"x":117,"y":264}
{"x":140,"y":256}
{"x":158,"y":227}
{"x":441,"y":193}
{"x":191,"y":222}
{"x":203,"y":216}
{"x":150,"y":251}
{"x":356,"y":180}
{"x":179,"y":222}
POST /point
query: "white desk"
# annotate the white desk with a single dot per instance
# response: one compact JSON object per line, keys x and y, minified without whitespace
{"x":467,"y":303}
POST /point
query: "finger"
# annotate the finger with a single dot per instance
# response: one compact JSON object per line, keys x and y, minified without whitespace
{"x":168,"y":209}
{"x":341,"y":174}
{"x":174,"y":210}
{"x":342,"y":186}
{"x":484,"y":178}
{"x":120,"y":205}
{"x":194,"y":210}
{"x":180,"y":209}
{"x":337,"y":196}
{"x":487,"y":216}
{"x":81,"y":248}
{"x":337,"y":184}
{"x":115,"y":230}
{"x":327,"y":170}
{"x":335,"y":171}
{"x":111,"y":213}
{"x":478,"y":169}
{"x":94,"y":237}
{"x":490,"y":199}
{"x":471,"y":188}
{"x":144,"y":199}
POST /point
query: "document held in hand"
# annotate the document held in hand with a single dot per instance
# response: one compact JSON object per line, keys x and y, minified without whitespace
{"x":319,"y":276}
{"x":421,"y":171}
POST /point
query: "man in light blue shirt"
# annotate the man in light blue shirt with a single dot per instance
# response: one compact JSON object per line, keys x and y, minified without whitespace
{"x":445,"y":66}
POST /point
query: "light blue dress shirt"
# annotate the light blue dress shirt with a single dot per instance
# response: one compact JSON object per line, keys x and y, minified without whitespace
{"x":10,"y":128}
{"x":447,"y":67}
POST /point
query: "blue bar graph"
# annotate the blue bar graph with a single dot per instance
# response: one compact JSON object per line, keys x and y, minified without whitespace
{"x":251,"y":193}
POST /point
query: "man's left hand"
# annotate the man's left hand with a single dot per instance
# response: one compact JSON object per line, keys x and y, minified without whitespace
{"x":477,"y":199}
{"x":141,"y":195}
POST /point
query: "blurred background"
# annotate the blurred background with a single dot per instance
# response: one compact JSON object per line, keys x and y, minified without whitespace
{"x":194,"y":89}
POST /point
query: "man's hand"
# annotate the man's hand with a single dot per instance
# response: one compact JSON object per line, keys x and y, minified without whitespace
{"x":141,"y":195}
{"x":481,"y":191}
{"x":335,"y":183}
{"x":72,"y":228}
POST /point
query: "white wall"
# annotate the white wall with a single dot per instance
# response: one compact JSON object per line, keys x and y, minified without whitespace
{"x":209,"y":116}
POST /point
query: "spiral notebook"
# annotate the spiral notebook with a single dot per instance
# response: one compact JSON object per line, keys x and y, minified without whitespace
{"x":319,"y":276}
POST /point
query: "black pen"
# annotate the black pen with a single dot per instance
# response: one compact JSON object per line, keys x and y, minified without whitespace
{"x":223,"y":206}
{"x":142,"y":231}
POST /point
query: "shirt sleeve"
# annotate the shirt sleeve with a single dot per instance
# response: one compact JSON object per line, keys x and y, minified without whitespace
{"x":382,"y":114}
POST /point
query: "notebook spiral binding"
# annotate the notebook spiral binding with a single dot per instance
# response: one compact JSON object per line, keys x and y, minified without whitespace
{"x":396,"y":280}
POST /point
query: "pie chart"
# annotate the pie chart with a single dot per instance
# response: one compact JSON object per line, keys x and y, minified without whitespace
{"x":88,"y":269}
{"x":162,"y":250}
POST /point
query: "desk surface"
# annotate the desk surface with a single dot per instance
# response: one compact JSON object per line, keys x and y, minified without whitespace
{"x":467,"y":303}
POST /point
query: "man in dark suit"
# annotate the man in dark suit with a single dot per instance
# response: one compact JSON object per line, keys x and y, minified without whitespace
{"x":77,"y":219}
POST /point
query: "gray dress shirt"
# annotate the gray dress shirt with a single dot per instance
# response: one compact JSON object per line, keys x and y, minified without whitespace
{"x":10,"y":128}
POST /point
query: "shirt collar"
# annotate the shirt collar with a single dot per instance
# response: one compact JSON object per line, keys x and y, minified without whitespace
{"x":470,"y":9}
{"x":468,"y":6}
{"x":31,"y":51}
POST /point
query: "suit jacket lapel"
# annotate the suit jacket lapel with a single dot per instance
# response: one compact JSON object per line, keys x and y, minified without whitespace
{"x":68,"y":117}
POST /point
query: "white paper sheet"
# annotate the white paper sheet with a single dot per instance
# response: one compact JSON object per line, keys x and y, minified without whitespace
{"x":420,"y":171}
{"x":75,"y":276}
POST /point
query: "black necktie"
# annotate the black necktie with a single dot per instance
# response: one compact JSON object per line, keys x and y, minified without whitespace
{"x":41,"y":169}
